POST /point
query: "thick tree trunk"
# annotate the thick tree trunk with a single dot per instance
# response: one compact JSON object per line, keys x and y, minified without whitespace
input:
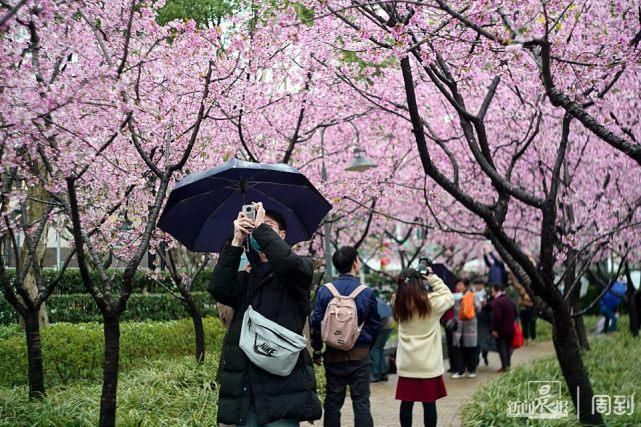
{"x":34,"y":354}
{"x":571,"y":363}
{"x":634,"y":320}
{"x":574,"y":299}
{"x":199,"y":330}
{"x":110,"y":370}
{"x":36,"y":211}
{"x":579,"y":328}
{"x":632,"y":303}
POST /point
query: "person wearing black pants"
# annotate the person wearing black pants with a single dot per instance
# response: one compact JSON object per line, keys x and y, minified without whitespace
{"x":505,"y":352}
{"x":356,"y":375}
{"x":346,"y":368}
{"x":467,"y":359}
{"x":429,"y":414}
{"x":528,"y":322}
{"x":419,"y":303}
{"x":503,"y":316}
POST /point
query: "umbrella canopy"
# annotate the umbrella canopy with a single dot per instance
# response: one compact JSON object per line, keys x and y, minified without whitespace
{"x":445,"y":274}
{"x":202,"y":207}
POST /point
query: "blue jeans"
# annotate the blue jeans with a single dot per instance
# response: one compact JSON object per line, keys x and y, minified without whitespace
{"x":610,"y":319}
{"x":379,"y":363}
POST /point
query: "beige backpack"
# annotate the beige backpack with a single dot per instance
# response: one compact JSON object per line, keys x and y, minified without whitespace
{"x":339,"y":328}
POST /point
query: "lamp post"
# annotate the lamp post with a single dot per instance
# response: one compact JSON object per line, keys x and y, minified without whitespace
{"x":360,"y":163}
{"x":327,"y":241}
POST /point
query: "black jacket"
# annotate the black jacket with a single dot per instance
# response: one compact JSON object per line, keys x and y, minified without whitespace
{"x":283,"y":295}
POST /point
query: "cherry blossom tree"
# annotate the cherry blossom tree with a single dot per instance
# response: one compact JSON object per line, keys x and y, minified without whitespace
{"x":124,"y":114}
{"x":490,"y":141}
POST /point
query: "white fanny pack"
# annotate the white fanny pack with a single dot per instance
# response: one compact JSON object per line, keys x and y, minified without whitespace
{"x":269,"y":345}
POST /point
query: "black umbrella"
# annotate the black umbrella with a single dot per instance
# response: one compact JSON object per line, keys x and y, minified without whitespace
{"x":202,"y":206}
{"x":445,"y":274}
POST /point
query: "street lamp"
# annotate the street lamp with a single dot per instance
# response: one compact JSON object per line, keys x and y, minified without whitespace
{"x":360,"y":163}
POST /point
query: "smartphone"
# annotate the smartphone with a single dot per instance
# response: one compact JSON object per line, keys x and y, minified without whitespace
{"x":249,"y":211}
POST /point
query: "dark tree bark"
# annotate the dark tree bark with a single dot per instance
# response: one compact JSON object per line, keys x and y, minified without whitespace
{"x":632,"y":303}
{"x":110,"y":370}
{"x":34,"y":352}
{"x":187,"y":299}
{"x":573,"y":295}
{"x":199,"y":330}
{"x":576,"y":376}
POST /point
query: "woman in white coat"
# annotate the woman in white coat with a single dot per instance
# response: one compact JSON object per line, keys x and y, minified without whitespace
{"x":419,"y":303}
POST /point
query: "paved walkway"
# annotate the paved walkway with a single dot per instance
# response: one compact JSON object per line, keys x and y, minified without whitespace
{"x":385,"y":408}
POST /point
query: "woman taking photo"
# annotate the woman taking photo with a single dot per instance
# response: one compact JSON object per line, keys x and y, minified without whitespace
{"x":418,"y":304}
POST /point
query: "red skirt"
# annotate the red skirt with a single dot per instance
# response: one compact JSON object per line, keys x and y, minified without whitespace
{"x":420,"y":389}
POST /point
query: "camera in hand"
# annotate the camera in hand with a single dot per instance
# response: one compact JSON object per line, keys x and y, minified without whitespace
{"x":249,"y":211}
{"x":424,"y":265}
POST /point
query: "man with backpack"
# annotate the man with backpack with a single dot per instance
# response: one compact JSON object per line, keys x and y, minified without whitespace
{"x":346,"y":319}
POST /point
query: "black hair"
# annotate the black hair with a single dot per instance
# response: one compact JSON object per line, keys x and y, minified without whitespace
{"x":498,"y":287}
{"x":276,"y":216}
{"x":464,"y":280}
{"x":344,"y":258}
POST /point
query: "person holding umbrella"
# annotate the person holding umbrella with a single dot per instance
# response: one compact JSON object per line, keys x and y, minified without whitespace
{"x":265,"y":374}
{"x":277,"y":286}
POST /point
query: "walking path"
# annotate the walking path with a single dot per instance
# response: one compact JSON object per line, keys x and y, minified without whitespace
{"x":385,"y":408}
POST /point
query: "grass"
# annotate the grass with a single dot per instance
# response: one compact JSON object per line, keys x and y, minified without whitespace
{"x":175,"y":392}
{"x":73,"y":352}
{"x":613,"y":371}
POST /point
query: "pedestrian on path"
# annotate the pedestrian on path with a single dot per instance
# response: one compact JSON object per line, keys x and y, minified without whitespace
{"x":486,"y":341}
{"x":345,"y":308}
{"x":465,"y":337}
{"x":418,"y":304}
{"x":527,"y":312}
{"x":277,"y":286}
{"x":503,"y":316}
{"x":379,"y":362}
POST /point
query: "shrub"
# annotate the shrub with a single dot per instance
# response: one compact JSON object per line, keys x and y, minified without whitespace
{"x":71,"y":282}
{"x":74,"y":352}
{"x":612,"y":372}
{"x":175,"y":392}
{"x":77,"y":308}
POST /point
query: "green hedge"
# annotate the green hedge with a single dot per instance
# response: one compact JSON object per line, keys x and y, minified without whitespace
{"x":82,"y":308}
{"x":175,"y":392}
{"x":613,"y":371}
{"x":73,"y":352}
{"x":71,"y":282}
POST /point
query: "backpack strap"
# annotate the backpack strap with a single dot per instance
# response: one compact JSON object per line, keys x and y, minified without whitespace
{"x":332,"y":289}
{"x":357,"y":291}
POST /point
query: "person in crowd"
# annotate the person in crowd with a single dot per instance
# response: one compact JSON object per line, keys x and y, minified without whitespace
{"x":609,"y":303}
{"x":503,"y":316}
{"x":418,"y":304}
{"x":497,"y":273}
{"x":465,"y":336}
{"x":449,"y":324}
{"x":486,"y":341}
{"x":277,"y":286}
{"x":379,"y":362}
{"x":527,"y":312}
{"x":351,"y":367}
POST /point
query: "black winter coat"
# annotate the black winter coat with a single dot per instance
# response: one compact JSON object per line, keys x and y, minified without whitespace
{"x":283,"y":295}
